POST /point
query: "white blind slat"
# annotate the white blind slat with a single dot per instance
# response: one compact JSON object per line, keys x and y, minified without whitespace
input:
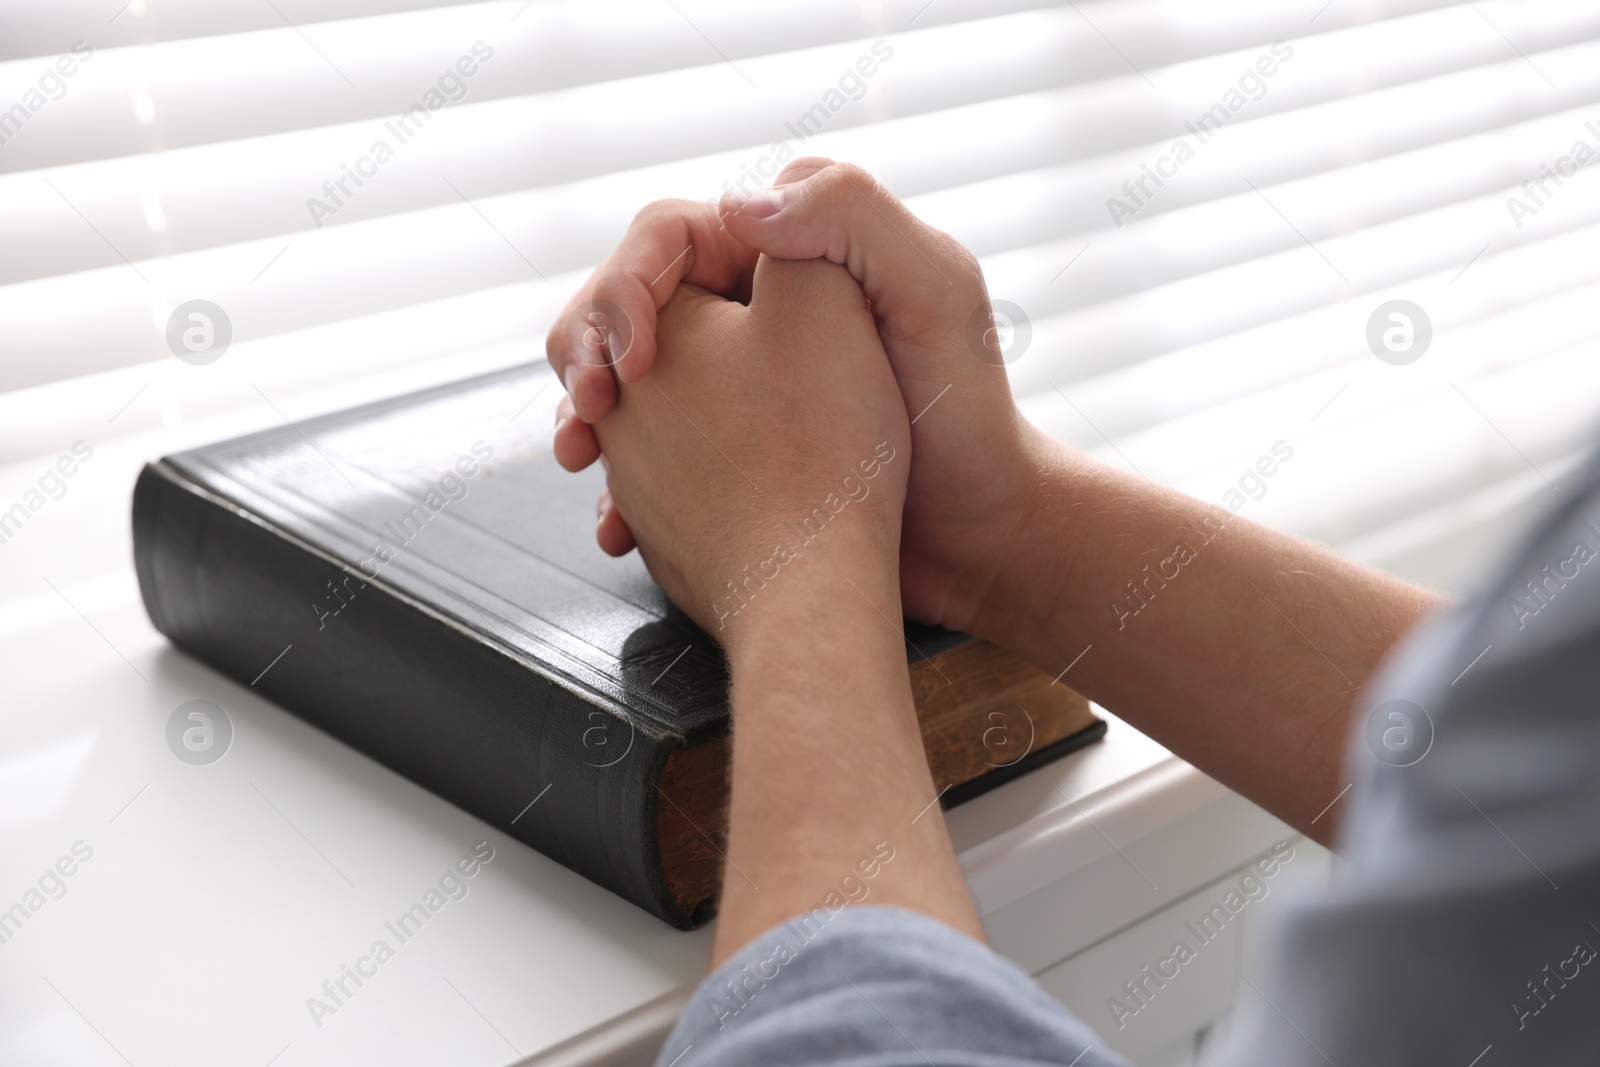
{"x":183,"y":199}
{"x":1377,"y":162}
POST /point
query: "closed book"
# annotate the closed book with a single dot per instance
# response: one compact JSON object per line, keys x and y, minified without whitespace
{"x":419,"y":579}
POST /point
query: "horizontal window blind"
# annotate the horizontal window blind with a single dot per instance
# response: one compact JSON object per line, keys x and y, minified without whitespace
{"x":1198,"y":209}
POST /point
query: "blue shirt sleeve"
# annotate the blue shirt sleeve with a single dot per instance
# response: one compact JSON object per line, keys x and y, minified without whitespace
{"x":1461,"y":927}
{"x":872,"y":986}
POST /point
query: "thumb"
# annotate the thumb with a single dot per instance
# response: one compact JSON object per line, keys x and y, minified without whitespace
{"x":916,"y":276}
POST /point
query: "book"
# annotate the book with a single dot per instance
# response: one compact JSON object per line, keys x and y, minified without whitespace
{"x":418,"y":578}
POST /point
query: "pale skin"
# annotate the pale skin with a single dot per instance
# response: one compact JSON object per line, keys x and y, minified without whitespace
{"x":1249,"y":664}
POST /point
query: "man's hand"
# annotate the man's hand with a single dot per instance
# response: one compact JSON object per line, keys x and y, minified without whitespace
{"x":762,"y":465}
{"x":975,"y":455}
{"x":1242,"y":651}
{"x":767,"y":449}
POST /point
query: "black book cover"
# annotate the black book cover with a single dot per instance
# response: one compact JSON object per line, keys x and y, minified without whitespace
{"x":418,"y":578}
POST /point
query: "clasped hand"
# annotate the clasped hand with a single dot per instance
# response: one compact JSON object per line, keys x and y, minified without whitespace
{"x":768,"y":440}
{"x":741,"y":440}
{"x":792,"y":470}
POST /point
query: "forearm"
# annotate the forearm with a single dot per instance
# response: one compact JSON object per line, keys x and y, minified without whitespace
{"x":1240,"y":648}
{"x":832,"y":798}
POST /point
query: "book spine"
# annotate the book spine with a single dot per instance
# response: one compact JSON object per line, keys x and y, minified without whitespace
{"x":421,"y":694}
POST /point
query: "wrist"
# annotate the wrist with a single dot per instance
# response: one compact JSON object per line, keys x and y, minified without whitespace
{"x":828,"y":758}
{"x":803,"y":592}
{"x":1033,"y":556}
{"x":823,"y":653}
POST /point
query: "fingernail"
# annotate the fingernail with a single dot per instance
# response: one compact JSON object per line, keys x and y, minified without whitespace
{"x":599,"y":509}
{"x":614,"y":346}
{"x":762,"y":204}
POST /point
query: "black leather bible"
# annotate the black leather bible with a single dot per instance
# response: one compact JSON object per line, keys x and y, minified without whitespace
{"x":419,"y":579}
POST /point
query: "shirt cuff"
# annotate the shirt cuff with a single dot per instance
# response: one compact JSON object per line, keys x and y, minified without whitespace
{"x":869,"y":984}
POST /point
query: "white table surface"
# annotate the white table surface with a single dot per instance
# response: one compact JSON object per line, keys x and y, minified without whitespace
{"x":219,"y":898}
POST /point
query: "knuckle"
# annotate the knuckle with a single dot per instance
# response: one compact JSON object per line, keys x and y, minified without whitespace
{"x":855,"y":172}
{"x":668,"y":211}
{"x":654,"y":211}
{"x":954,"y":258}
{"x":819,"y":162}
{"x":962,"y":258}
{"x":848,"y":179}
{"x":803,"y":167}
